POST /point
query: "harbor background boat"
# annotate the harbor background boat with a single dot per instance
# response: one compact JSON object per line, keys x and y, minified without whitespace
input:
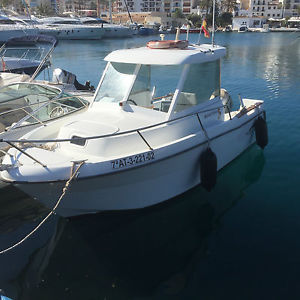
{"x":238,"y":242}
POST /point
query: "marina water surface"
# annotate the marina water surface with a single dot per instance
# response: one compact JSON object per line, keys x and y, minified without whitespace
{"x":240,"y":241}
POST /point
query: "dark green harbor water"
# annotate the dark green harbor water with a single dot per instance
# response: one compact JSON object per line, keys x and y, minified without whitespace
{"x":240,"y":241}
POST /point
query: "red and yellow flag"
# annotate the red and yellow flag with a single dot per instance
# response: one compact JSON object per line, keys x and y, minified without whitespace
{"x":204,"y":29}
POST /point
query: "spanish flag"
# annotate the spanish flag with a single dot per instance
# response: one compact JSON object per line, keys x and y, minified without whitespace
{"x":204,"y":28}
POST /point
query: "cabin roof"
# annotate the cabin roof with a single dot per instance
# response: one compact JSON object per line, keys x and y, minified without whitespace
{"x":193,"y":54}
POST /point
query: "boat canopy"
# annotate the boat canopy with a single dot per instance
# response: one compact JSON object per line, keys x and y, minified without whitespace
{"x":32,"y":40}
{"x":194,"y":54}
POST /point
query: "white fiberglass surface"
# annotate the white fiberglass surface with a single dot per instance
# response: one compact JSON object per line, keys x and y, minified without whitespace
{"x":116,"y":83}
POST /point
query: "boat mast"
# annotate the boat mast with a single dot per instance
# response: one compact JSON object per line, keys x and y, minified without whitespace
{"x":110,"y":11}
{"x":98,"y":9}
{"x":213,"y":24}
{"x":128,"y":11}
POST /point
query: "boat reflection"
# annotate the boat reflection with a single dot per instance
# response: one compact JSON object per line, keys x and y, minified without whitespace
{"x":148,"y":254}
{"x":20,"y":267}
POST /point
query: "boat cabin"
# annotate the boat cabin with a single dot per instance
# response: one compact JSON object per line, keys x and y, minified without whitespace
{"x":171,"y":81}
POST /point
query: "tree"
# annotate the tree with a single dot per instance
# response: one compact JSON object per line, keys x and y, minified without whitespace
{"x":178,"y":14}
{"x":5,"y":3}
{"x":204,"y":4}
{"x":45,"y":10}
{"x":209,"y":17}
{"x":228,"y":5}
{"x":93,"y":6}
{"x":225,"y":19}
{"x":195,"y":19}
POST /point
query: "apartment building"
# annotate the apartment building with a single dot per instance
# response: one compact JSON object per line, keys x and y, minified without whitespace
{"x":167,"y":6}
{"x":275,"y":9}
{"x":265,"y":8}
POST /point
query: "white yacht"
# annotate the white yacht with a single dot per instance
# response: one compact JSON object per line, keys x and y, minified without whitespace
{"x":111,"y":30}
{"x":11,"y":29}
{"x":25,"y":55}
{"x":69,"y":29}
{"x":159,"y":125}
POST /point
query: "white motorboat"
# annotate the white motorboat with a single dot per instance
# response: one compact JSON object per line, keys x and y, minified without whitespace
{"x":69,"y":29}
{"x":110,"y":30}
{"x":159,"y":125}
{"x":24,"y":55}
{"x":228,"y":28}
{"x":243,"y":29}
{"x":11,"y":29}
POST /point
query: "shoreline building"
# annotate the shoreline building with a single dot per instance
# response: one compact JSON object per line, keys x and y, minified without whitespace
{"x":275,"y":9}
{"x":163,"y":6}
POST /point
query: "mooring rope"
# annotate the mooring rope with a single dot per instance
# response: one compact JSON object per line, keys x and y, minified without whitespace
{"x":72,"y":176}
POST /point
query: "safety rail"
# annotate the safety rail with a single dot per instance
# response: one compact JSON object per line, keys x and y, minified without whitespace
{"x":37,"y":53}
{"x":137,"y":130}
{"x":41,"y":105}
{"x":42,"y":102}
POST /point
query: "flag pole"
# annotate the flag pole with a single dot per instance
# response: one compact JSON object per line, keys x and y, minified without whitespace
{"x":213,"y":24}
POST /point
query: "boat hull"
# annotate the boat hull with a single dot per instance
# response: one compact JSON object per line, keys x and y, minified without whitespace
{"x":143,"y":186}
{"x":73,"y":33}
{"x":7,"y":33}
{"x":191,"y":30}
{"x":117,"y":32}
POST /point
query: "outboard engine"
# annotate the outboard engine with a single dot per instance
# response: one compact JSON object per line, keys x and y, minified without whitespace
{"x":61,"y":76}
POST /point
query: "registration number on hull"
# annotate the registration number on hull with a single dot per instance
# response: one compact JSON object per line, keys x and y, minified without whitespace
{"x":132,"y":160}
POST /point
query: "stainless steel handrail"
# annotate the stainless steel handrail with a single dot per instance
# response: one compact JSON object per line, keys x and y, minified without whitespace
{"x":118,"y":133}
{"x":41,"y":102}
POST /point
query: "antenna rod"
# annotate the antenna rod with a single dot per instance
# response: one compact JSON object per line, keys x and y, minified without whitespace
{"x":213,"y":24}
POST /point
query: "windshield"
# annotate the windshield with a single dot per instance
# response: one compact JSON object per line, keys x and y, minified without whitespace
{"x":20,"y":90}
{"x":27,"y":103}
{"x":116,"y":83}
{"x":154,"y":86}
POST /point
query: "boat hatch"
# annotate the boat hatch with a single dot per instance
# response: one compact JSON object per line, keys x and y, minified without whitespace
{"x":168,"y":89}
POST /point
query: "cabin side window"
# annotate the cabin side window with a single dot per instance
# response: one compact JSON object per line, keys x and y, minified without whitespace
{"x":202,"y":83}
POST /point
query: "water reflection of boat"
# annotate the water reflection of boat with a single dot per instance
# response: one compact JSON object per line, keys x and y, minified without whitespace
{"x":21,"y":267}
{"x":149,"y":254}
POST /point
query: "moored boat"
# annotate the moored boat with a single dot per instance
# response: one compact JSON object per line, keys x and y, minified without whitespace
{"x":159,"y":125}
{"x":69,"y":29}
{"x":185,"y":28}
{"x":26,"y":54}
{"x":27,"y":105}
{"x":110,"y":30}
{"x":12,"y":29}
